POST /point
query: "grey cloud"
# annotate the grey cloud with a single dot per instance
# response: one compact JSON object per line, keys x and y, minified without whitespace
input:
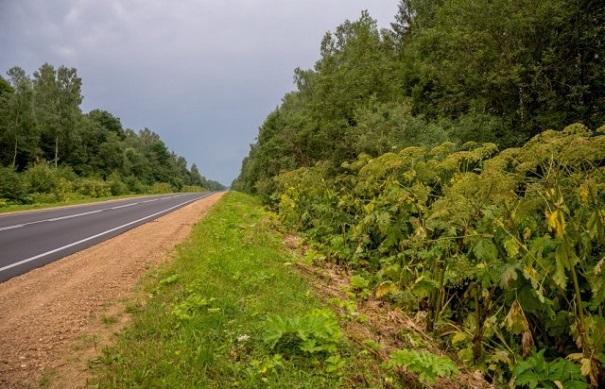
{"x":203,"y":74}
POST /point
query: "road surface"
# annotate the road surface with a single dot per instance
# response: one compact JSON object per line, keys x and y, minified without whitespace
{"x":32,"y":239}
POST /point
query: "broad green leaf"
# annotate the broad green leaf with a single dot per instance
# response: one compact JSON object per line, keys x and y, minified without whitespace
{"x":429,"y":365}
{"x":596,"y":224}
{"x":485,"y":250}
{"x":559,"y":276}
{"x":424,"y":286}
{"x":566,"y":255}
{"x":334,"y":363}
{"x":596,"y":280}
{"x":459,"y":337}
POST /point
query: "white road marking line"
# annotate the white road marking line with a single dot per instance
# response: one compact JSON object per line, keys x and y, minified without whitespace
{"x":93,"y":237}
{"x":70,"y":216}
{"x":124,"y":206}
{"x":65,"y":217}
{"x":12,"y":227}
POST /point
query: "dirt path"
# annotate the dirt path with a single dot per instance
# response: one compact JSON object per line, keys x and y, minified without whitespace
{"x":55,"y":318}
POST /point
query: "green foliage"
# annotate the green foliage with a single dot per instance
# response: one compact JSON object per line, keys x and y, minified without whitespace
{"x":206,"y":318}
{"x":135,"y":185}
{"x":359,"y":283}
{"x":462,"y":70}
{"x":43,"y":132}
{"x":193,"y":304}
{"x":40,"y":179}
{"x":63,"y":189}
{"x":505,"y":246}
{"x":12,"y":187}
{"x":192,"y":188}
{"x":93,"y":188}
{"x":428,"y":365}
{"x":313,"y":333}
{"x":417,"y":156}
{"x":117,"y":186}
{"x":536,"y":371}
{"x":504,"y":59}
{"x":56,"y":104}
{"x":170,"y":280}
{"x":161,"y":187}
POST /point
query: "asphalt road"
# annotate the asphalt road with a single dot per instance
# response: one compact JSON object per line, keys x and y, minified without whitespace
{"x":32,"y":239}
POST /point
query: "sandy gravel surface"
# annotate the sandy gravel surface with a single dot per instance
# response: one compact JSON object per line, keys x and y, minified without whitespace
{"x":54,"y":319}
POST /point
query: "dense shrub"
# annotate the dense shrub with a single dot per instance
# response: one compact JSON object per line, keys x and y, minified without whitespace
{"x":503,"y":251}
{"x":12,"y":185}
{"x":135,"y":185}
{"x":116,"y":185}
{"x":161,"y":187}
{"x":63,"y":189}
{"x":93,"y":188}
{"x":40,"y":178}
{"x":192,"y":188}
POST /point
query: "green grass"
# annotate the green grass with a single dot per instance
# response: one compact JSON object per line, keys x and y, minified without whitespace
{"x":75,"y":201}
{"x":228,"y":312}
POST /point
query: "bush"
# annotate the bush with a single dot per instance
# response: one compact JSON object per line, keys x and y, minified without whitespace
{"x":93,"y":188}
{"x":12,"y":186}
{"x":41,"y":179}
{"x":135,"y":185}
{"x":66,"y":172}
{"x":508,"y":245}
{"x":44,"y":198}
{"x":63,"y":189}
{"x":118,"y":188}
{"x":192,"y":188}
{"x":116,"y":185}
{"x":161,"y":187}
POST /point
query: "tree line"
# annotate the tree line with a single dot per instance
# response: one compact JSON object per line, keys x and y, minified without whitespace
{"x":44,"y":133}
{"x":487,"y":71}
{"x":456,"y":164}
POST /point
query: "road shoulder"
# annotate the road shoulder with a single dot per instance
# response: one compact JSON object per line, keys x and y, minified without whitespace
{"x":55,"y":318}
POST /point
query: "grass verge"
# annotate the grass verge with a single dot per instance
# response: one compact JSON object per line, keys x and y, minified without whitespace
{"x":78,"y":201}
{"x":231,"y":311}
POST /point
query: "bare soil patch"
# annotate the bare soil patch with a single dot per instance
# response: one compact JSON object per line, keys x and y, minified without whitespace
{"x":55,"y":319}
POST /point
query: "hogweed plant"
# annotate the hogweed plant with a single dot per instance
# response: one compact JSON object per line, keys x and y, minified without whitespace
{"x":502,"y":250}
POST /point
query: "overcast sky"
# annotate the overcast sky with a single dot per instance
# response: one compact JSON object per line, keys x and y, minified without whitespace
{"x":203,"y":74}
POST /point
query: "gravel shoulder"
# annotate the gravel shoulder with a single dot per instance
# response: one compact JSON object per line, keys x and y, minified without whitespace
{"x":55,"y":319}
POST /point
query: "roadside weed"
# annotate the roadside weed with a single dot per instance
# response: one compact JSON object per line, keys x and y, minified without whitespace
{"x":230,"y":311}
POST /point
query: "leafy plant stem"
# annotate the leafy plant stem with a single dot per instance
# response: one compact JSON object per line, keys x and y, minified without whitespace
{"x":579,"y":308}
{"x":479,"y":331}
{"x":436,"y":297}
{"x":481,"y":312}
